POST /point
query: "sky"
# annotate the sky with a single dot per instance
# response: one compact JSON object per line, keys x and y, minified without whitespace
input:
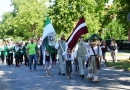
{"x":5,"y":6}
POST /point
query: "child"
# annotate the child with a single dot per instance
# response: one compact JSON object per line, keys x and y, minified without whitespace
{"x":68,"y":57}
{"x":47,"y":61}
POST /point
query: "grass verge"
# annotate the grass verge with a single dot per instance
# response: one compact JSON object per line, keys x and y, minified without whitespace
{"x":121,"y":64}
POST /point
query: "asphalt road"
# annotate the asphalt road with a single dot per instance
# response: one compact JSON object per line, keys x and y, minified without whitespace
{"x":20,"y":78}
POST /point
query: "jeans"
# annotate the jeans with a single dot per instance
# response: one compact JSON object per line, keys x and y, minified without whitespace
{"x":31,"y":57}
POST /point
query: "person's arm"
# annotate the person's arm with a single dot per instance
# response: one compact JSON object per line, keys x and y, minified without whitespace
{"x":57,"y":45}
{"x":75,"y":51}
{"x":66,"y":46}
{"x":72,"y":58}
{"x":87,"y":45}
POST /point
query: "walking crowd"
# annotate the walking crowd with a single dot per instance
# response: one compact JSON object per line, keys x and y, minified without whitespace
{"x":85,"y":54}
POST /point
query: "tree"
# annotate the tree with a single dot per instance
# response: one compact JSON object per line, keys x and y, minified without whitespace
{"x":30,"y":16}
{"x":66,"y":13}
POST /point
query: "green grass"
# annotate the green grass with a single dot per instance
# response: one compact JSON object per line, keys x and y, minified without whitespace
{"x":118,"y":54}
{"x":121,"y":64}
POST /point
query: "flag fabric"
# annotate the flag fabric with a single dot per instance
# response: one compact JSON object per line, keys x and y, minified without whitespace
{"x":47,"y":37}
{"x":80,"y":29}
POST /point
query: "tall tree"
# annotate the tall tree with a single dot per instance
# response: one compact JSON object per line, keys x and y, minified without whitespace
{"x":30,"y":16}
{"x":66,"y":13}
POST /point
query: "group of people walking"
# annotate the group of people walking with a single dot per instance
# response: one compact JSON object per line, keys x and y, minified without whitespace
{"x":92,"y":53}
{"x":10,"y":50}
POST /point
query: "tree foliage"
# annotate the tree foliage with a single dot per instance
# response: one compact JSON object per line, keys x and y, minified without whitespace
{"x":28,"y":17}
{"x":66,"y":13}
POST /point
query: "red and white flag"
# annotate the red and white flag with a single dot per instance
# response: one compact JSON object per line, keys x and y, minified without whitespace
{"x":80,"y":29}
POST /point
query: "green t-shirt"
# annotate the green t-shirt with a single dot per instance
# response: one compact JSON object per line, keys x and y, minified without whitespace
{"x":31,"y":48}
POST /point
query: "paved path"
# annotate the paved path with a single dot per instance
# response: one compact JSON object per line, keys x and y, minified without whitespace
{"x":20,"y":78}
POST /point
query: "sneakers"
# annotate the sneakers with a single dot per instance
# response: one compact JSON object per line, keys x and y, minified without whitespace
{"x":48,"y":74}
{"x":68,"y":77}
{"x":63,"y":74}
{"x":96,"y":79}
{"x":82,"y":76}
{"x":59,"y":73}
{"x":90,"y":76}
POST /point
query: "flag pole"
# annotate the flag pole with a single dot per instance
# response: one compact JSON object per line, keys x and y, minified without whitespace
{"x":61,"y":47}
{"x":60,"y":44}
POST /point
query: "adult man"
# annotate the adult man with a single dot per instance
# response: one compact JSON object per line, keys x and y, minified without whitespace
{"x":80,"y":53}
{"x":61,"y":47}
{"x":31,"y":51}
{"x":94,"y":54}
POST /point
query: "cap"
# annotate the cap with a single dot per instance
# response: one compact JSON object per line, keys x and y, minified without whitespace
{"x":94,"y":36}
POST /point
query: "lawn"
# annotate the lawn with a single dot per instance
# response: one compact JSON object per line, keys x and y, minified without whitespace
{"x":121,"y":64}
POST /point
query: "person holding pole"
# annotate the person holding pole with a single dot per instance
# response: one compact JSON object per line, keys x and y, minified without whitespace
{"x":61,"y":47}
{"x":80,"y":55}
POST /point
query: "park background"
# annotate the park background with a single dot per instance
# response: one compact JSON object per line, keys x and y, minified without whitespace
{"x":27,"y":18}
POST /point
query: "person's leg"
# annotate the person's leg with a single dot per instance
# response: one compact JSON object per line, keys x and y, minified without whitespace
{"x":25,"y":57}
{"x":9,"y":59}
{"x":12,"y":58}
{"x":52,"y":56}
{"x":104,"y":57}
{"x":67,"y":68}
{"x":115,"y":56}
{"x":16,"y":60}
{"x":90,"y":68}
{"x":2,"y":57}
{"x":76,"y":67}
{"x":112,"y":55}
{"x":70,"y":67}
{"x":30,"y":62}
{"x":83,"y":62}
{"x":62,"y":69}
{"x":81,"y":71}
{"x":35,"y":61}
{"x":95,"y":71}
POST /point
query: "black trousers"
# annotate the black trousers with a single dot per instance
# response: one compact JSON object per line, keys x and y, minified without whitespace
{"x":21,"y":58}
{"x":17,"y":59}
{"x":53,"y":56}
{"x":10,"y":59}
{"x":2,"y":58}
{"x":68,"y":67}
{"x":26,"y":60}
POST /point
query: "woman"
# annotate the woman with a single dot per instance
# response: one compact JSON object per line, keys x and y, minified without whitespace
{"x":113,"y":49}
{"x":104,"y":49}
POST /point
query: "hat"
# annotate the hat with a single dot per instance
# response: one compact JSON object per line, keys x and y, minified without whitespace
{"x":94,"y":36}
{"x":81,"y":37}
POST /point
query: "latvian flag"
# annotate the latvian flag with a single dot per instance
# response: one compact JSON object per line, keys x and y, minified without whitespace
{"x":80,"y":29}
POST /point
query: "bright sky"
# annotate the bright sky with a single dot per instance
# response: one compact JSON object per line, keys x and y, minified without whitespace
{"x":5,"y":7}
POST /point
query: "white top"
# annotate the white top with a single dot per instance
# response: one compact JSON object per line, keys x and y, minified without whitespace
{"x":90,"y":51}
{"x":58,"y":45}
{"x":68,"y":56}
{"x":76,"y":48}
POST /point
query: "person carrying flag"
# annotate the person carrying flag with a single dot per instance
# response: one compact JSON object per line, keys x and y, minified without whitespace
{"x":61,"y":47}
